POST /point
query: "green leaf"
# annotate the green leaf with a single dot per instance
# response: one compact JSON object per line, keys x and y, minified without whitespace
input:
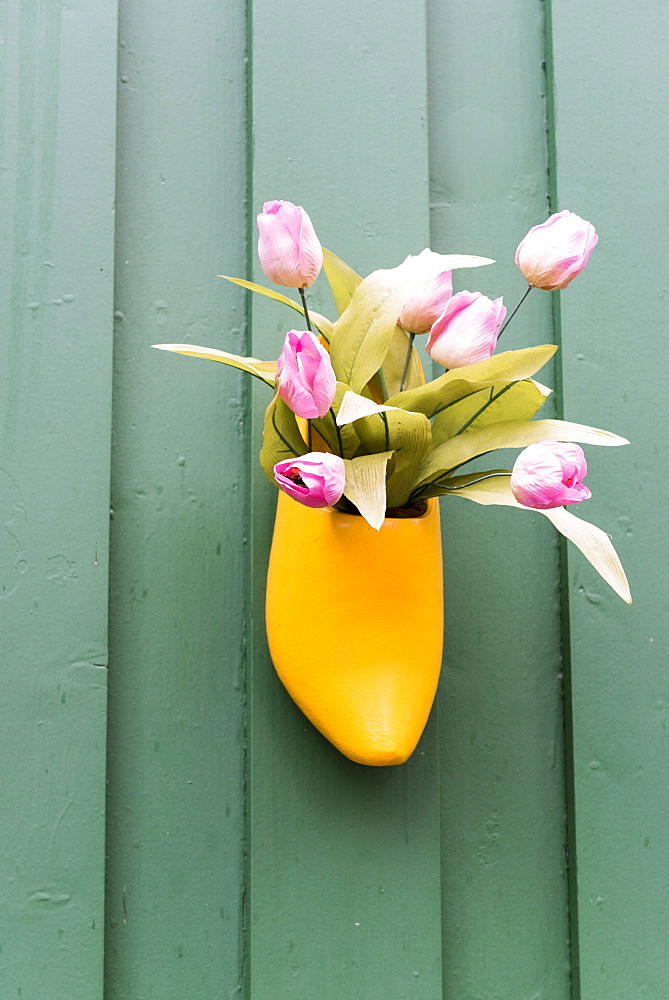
{"x":458,"y":383}
{"x":281,"y":437}
{"x":362,"y":335}
{"x":508,"y":434}
{"x":491,"y":404}
{"x":342,"y":279}
{"x":366,"y":486}
{"x":406,"y":434}
{"x":594,"y":543}
{"x":322,"y":323}
{"x":393,"y":364}
{"x":264,"y":370}
{"x":340,"y":440}
{"x":353,"y":406}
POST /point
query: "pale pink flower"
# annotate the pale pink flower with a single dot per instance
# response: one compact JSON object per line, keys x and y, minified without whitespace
{"x":553,"y":253}
{"x":307,"y":381}
{"x":467,"y":330}
{"x":288,"y":247}
{"x":423,"y":308}
{"x":315,"y":480}
{"x":549,"y":474}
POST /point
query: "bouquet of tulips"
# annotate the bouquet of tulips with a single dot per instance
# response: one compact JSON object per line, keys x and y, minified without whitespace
{"x":353,"y":425}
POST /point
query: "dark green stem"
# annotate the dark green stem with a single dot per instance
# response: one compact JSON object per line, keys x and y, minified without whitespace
{"x":336,"y":426}
{"x":309,"y":436}
{"x":509,"y":318}
{"x":385,"y":420}
{"x":484,"y":407}
{"x":463,"y":486}
{"x":306,"y":311}
{"x":412,"y":337}
{"x":435,"y":482}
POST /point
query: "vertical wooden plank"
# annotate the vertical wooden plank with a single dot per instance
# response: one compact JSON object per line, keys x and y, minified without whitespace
{"x":344,"y":859}
{"x":504,"y":886}
{"x":57,"y":128}
{"x":174,"y":892}
{"x":611,"y":136}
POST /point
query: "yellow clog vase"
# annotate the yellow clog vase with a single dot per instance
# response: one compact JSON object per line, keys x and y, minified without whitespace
{"x":355,"y":625}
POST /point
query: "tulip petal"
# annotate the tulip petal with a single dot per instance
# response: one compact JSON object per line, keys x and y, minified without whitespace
{"x":366,"y":486}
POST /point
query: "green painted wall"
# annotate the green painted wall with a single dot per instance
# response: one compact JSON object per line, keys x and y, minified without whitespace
{"x":611,"y":131}
{"x":175,"y":836}
{"x":57,"y":128}
{"x":244,"y":856}
{"x":502,"y":776}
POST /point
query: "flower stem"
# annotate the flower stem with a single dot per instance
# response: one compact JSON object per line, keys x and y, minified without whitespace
{"x":310,"y":444}
{"x":435,"y":482}
{"x":336,"y":426}
{"x":491,"y":475}
{"x":306,"y":311}
{"x":412,"y":337}
{"x":509,"y":318}
{"x":384,"y":417}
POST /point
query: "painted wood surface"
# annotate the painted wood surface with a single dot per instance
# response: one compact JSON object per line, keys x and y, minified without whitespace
{"x":502,"y":778}
{"x":343,"y":860}
{"x":611,"y":133}
{"x":246,"y":857}
{"x":177,"y":613}
{"x":57,"y":129}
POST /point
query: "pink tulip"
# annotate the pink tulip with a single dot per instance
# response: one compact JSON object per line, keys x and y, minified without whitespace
{"x":552,"y":254}
{"x":426,"y":306}
{"x":315,"y":480}
{"x":307,"y":382}
{"x":549,"y":474}
{"x":288,"y":247}
{"x":467,"y":330}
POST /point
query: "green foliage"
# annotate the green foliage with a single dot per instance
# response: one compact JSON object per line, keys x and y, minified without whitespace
{"x":507,"y":434}
{"x":342,"y":279}
{"x":454,"y":385}
{"x":322,"y":324}
{"x":281,"y":437}
{"x":366,"y":486}
{"x":344,"y":440}
{"x":409,"y":449}
{"x":408,"y":436}
{"x":263,"y":370}
{"x":362,"y":335}
{"x":496,"y":402}
{"x":393,"y":364}
{"x":594,"y":543}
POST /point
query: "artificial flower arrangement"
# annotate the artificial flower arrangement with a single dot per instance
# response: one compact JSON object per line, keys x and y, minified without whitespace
{"x":361,"y":446}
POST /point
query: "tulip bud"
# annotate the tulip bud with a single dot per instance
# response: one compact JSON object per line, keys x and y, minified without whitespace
{"x":549,"y":474}
{"x":288,"y":247}
{"x":467,"y":331}
{"x":315,"y":480}
{"x":307,"y":381}
{"x":422,"y":309}
{"x":556,"y":251}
